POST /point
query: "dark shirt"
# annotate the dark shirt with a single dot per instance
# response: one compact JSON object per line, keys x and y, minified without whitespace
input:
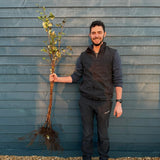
{"x":100,"y":74}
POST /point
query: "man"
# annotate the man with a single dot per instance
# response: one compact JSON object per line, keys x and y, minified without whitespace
{"x":100,"y":69}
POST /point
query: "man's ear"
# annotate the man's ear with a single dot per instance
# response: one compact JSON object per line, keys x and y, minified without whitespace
{"x":105,"y":33}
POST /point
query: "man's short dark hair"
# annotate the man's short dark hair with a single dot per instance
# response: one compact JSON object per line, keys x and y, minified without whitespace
{"x":97,"y":23}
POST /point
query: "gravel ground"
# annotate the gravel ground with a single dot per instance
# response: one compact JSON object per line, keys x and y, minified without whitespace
{"x":70,"y":158}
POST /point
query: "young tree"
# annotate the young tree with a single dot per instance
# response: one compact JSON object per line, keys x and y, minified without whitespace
{"x":55,"y":51}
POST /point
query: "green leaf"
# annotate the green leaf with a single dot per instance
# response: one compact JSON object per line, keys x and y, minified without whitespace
{"x":44,"y":50}
{"x":51,"y":16}
{"x":39,"y":17}
{"x":58,"y":25}
{"x":45,"y":42}
{"x":44,"y":9}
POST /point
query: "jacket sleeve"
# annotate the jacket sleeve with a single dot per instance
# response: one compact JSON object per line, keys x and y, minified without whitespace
{"x":77,"y":74}
{"x":117,"y":71}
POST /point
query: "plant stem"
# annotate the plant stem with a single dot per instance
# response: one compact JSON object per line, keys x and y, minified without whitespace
{"x":48,"y":121}
{"x":50,"y":104}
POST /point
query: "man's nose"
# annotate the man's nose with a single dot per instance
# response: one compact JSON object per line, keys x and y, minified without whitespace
{"x":96,"y":35}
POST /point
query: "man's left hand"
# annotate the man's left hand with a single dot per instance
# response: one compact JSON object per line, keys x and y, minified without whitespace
{"x":118,"y":110}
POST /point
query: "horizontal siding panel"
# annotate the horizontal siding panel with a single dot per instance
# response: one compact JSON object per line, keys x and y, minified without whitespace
{"x":134,"y":130}
{"x":69,"y":69}
{"x":131,"y":31}
{"x":20,"y":69}
{"x":38,"y":148}
{"x":134,"y":138}
{"x":20,"y":129}
{"x":139,"y":50}
{"x":23,"y":63}
{"x":84,"y":12}
{"x":39,"y":120}
{"x":63,"y":104}
{"x":59,"y":120}
{"x":117,"y":149}
{"x":63,"y":121}
{"x":141,"y":78}
{"x":22,"y":96}
{"x":18,"y":96}
{"x":59,"y":88}
{"x":65,"y":138}
{"x":144,"y":105}
{"x":21,"y":121}
{"x":141,"y":69}
{"x":131,"y":113}
{"x":79,"y":3}
{"x":35,"y":51}
{"x":80,"y":41}
{"x":141,"y":113}
{"x":24,"y":22}
{"x":39,"y":61}
{"x":24,"y":78}
{"x":40,"y":87}
{"x":141,"y":149}
{"x":74,"y":104}
{"x":68,"y":129}
{"x":141,"y":87}
{"x":140,"y":60}
{"x":66,"y":135}
{"x":44,"y":78}
{"x":153,"y":122}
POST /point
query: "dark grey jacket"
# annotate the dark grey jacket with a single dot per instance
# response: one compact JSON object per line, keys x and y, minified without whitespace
{"x":99,"y":74}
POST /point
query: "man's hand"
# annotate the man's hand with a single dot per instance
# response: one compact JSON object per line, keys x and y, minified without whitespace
{"x":118,"y":110}
{"x":53,"y":77}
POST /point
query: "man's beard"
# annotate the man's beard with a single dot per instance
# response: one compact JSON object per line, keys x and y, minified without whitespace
{"x":95,"y":44}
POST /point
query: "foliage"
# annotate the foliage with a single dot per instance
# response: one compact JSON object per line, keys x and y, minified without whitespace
{"x":53,"y":44}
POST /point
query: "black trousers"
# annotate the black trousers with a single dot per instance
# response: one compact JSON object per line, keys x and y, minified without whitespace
{"x":101,"y":109}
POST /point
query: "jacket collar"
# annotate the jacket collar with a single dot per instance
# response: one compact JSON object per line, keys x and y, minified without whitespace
{"x":102,"y":49}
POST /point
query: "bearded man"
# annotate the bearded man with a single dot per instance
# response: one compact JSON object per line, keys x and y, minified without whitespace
{"x":99,"y":66}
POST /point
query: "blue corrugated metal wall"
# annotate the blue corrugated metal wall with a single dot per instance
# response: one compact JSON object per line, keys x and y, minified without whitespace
{"x":133,"y":27}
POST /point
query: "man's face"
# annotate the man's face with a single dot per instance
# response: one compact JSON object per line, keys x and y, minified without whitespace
{"x":97,"y":35}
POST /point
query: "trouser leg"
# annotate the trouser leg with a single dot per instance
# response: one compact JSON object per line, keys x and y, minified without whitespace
{"x":102,"y":116}
{"x":87,"y":116}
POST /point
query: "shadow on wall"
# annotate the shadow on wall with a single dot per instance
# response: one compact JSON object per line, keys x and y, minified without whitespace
{"x":66,"y":115}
